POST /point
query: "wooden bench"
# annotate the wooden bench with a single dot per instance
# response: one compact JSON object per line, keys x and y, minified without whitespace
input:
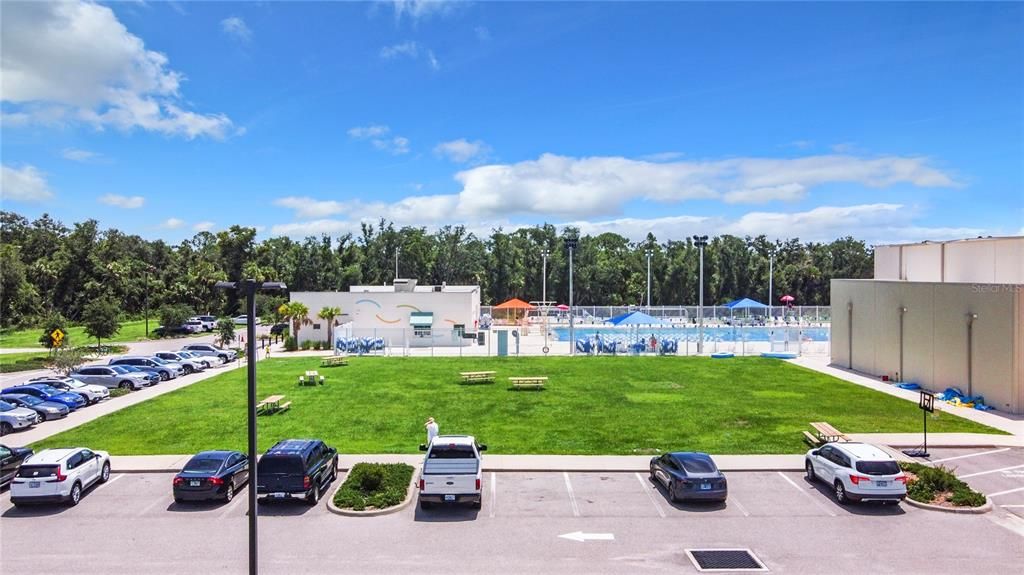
{"x":284,"y":406}
{"x":811,"y":439}
{"x":477,"y":376}
{"x":334,"y":361}
{"x":270,"y":405}
{"x":826,"y":433}
{"x":528,"y":382}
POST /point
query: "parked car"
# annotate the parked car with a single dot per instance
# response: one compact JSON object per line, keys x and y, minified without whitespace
{"x":689,"y":475}
{"x":193,"y":326}
{"x":12,"y":417}
{"x":11,"y":459}
{"x":207,"y":349}
{"x":296,"y":468}
{"x":244,"y":320}
{"x":165,"y":331}
{"x":49,"y":393}
{"x":108,"y":377}
{"x":279,"y":329}
{"x":59,"y":475}
{"x":206,"y":361}
{"x":209,"y":322}
{"x":190,"y":366}
{"x":857,"y":472}
{"x":211,"y":475}
{"x":151,"y":374}
{"x":92,"y":393}
{"x":166,"y":370}
{"x":451,"y":471}
{"x":47,"y":410}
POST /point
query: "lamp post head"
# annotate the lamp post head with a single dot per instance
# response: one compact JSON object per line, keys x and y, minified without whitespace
{"x":571,"y":241}
{"x":700,"y":241}
{"x":903,"y":309}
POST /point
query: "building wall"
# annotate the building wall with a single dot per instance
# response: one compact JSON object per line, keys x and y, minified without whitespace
{"x":386,"y":314}
{"x":986,"y":260}
{"x":935,"y":351}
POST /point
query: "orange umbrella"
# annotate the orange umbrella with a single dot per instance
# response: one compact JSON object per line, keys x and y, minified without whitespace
{"x":514,"y":305}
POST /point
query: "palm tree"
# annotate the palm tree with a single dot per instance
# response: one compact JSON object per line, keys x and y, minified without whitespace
{"x":298,"y":313}
{"x":328,"y":314}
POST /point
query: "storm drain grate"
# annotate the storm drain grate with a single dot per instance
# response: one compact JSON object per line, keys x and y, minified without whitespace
{"x":712,"y":560}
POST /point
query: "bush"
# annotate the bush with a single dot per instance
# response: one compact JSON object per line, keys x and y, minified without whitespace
{"x":118,"y":392}
{"x":306,"y":345}
{"x":377,"y":485}
{"x":316,"y":345}
{"x":290,"y":344}
{"x":932,"y":482}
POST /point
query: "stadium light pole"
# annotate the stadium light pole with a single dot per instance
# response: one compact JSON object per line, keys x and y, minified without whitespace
{"x":648,"y":253}
{"x":771,"y":277}
{"x":544,"y":279}
{"x":249,"y":287}
{"x":570,"y":243}
{"x":700,"y":242}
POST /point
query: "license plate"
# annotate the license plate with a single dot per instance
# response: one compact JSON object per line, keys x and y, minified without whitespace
{"x":882,"y":483}
{"x":449,"y":498}
{"x":278,"y":495}
{"x":705,"y":487}
{"x":194,"y":483}
{"x":33,"y":484}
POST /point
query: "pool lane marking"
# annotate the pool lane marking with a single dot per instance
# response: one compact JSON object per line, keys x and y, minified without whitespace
{"x":945,"y":459}
{"x":572,"y":496}
{"x":646,"y":486}
{"x":806,"y":494}
{"x":990,"y":471}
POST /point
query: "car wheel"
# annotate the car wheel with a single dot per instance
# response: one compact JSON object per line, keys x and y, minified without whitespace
{"x":672,"y":492}
{"x":841,"y":496}
{"x":125,"y":385}
{"x":105,"y":474}
{"x":206,"y":364}
{"x":229,"y":494}
{"x":5,"y":428}
{"x":810,"y":472}
{"x":653,"y":478}
{"x":188,"y":369}
{"x":164,"y":376}
{"x":314,"y":496}
{"x":76,"y":494}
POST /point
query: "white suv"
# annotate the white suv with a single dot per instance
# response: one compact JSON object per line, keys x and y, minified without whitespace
{"x":59,"y":475}
{"x":857,"y":472}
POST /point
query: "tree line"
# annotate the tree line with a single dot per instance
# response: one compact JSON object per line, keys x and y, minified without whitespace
{"x":49,"y":268}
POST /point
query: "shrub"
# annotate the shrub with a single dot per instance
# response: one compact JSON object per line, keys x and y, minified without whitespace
{"x":316,"y":345}
{"x":118,"y":392}
{"x":306,"y":345}
{"x":377,"y":485}
{"x":967,"y":497}
{"x":290,"y":344}
{"x":931,"y":482}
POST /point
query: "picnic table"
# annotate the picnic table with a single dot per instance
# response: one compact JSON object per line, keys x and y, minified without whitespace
{"x":272,"y":404}
{"x":477,"y":376}
{"x":536,"y":382}
{"x":826,"y":433}
{"x":311,"y":378}
{"x":334,"y":361}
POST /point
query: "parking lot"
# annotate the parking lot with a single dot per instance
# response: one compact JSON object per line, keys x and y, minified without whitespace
{"x":997,"y":472}
{"x":549,"y":522}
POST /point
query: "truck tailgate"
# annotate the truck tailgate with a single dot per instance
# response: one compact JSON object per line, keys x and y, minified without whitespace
{"x":450,"y":476}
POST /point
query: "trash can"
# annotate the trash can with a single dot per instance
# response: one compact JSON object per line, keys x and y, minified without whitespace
{"x":480,"y":338}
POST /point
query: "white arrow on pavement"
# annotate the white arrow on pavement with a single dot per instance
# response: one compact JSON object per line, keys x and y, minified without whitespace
{"x":581,"y":536}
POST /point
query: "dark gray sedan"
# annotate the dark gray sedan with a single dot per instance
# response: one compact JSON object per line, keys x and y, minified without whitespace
{"x":689,"y":476}
{"x":46,"y":409}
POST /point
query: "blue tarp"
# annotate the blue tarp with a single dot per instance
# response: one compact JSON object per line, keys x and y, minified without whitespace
{"x":745,"y":303}
{"x":635,"y":318}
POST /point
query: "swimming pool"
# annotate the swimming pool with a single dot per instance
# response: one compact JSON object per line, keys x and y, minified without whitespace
{"x":692,"y":333}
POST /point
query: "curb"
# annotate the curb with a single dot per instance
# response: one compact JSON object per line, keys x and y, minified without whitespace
{"x":961,"y":510}
{"x":409,"y":496}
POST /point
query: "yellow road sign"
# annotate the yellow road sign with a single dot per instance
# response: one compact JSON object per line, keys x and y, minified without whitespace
{"x":57,"y":336}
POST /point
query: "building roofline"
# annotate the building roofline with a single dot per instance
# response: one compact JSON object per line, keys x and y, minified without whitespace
{"x":940,"y":242}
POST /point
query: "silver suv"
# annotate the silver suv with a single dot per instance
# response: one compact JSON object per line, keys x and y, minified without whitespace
{"x":109,"y":377}
{"x":225,"y":355}
{"x":190,"y":365}
{"x":166,"y":369}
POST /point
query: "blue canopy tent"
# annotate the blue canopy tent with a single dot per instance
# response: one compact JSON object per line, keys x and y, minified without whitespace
{"x":745,"y":303}
{"x":636,"y":318}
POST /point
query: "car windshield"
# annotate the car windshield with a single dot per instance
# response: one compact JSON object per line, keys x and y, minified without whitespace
{"x":120,"y":369}
{"x":452,"y":452}
{"x":73,"y":383}
{"x":203,"y":465}
{"x":4,"y":406}
{"x":30,"y":400}
{"x":878,"y":467}
{"x":696,"y":464}
{"x":159,"y":361}
{"x":47,"y":389}
{"x":185,"y":354}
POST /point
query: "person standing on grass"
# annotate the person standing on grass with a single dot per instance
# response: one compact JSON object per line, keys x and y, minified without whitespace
{"x":432,"y":429}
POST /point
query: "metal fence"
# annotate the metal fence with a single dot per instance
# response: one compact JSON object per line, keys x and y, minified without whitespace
{"x":806,"y":315}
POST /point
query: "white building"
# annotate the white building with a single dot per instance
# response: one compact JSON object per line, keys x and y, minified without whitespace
{"x":403,"y":314}
{"x":940,"y":314}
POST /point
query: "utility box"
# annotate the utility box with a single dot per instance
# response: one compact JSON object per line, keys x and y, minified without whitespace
{"x":502,"y":343}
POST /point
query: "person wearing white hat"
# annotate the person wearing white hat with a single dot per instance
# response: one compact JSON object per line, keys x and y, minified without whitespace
{"x":432,"y":429}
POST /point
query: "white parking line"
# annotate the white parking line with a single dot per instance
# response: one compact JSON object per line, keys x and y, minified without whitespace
{"x":1005,"y":492}
{"x":494,"y":494}
{"x":739,"y":505}
{"x":572,"y":496}
{"x":990,"y":471}
{"x":152,"y":505}
{"x":233,"y":505}
{"x":1011,"y":522}
{"x":111,"y":480}
{"x":1011,"y":506}
{"x":648,"y":490}
{"x":945,"y":459}
{"x":806,"y":494}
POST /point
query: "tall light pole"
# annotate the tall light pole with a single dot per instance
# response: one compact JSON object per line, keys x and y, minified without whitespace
{"x":648,"y":253}
{"x":700,"y":242}
{"x":771,"y":291}
{"x":544,"y":295}
{"x":570,"y":243}
{"x":397,"y":250}
{"x":249,"y":287}
{"x":145,"y":293}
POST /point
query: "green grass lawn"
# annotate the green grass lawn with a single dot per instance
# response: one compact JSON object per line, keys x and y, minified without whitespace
{"x":593,"y":405}
{"x":134,"y":330}
{"x":11,"y":362}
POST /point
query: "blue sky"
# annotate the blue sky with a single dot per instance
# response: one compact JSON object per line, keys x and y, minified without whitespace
{"x":889,"y":122}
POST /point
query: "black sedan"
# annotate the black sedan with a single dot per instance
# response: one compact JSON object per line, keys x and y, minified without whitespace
{"x":11,"y":459}
{"x":688,"y":475}
{"x":211,"y":475}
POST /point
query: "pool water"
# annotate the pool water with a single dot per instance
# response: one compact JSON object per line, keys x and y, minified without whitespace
{"x":692,"y":333}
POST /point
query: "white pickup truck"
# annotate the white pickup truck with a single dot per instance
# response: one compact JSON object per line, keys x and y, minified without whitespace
{"x":451,"y":471}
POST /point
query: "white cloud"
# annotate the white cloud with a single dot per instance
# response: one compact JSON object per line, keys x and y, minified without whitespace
{"x":172,"y":223}
{"x":26,"y":184}
{"x":397,"y":145}
{"x":77,"y":155}
{"x":432,"y":60}
{"x":235,"y":27}
{"x":421,"y":9}
{"x":785,"y":192}
{"x":662,"y":156}
{"x":203,"y":226}
{"x":308,"y":208}
{"x":380,"y":138}
{"x":119,"y":201}
{"x":371,"y":131}
{"x":409,"y":210}
{"x":407,"y":49}
{"x":315,"y":228}
{"x":73,"y":61}
{"x":462,"y":151}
